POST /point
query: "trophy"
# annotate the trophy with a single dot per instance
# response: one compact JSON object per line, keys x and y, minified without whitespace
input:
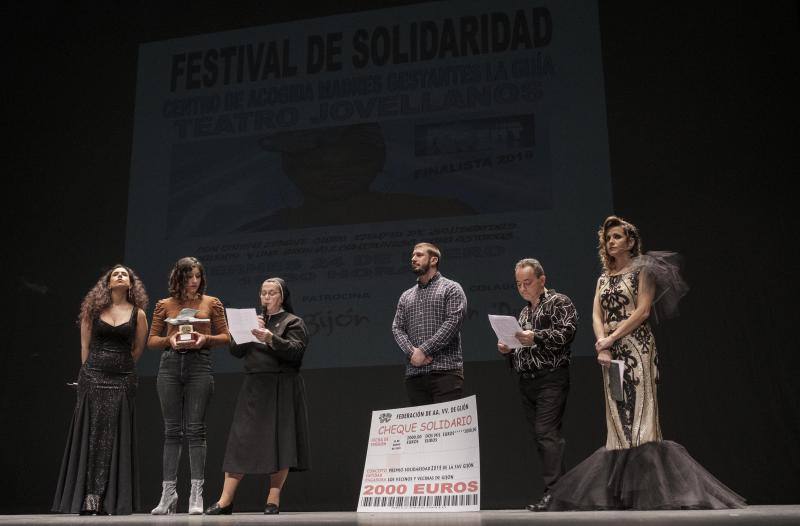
{"x":185,"y":320}
{"x":186,"y":334}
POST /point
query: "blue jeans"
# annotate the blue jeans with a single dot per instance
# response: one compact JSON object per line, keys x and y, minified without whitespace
{"x":185,"y":386}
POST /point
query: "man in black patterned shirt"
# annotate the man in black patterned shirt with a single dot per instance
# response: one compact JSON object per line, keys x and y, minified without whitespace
{"x":548,"y":322}
{"x":427,"y":327}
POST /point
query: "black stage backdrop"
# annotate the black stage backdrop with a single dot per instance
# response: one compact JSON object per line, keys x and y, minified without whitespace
{"x":702,"y":121}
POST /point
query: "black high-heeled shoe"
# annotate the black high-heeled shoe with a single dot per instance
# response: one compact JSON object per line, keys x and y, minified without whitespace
{"x":216,"y":509}
{"x":271,"y":509}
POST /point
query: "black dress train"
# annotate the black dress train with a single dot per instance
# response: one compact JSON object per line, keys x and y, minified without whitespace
{"x":659,"y":475}
{"x":99,"y":468}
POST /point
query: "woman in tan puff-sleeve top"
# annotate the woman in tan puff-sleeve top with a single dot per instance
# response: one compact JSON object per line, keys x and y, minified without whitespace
{"x":185,"y":383}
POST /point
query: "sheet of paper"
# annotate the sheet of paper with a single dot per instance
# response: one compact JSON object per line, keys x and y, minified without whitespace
{"x":240,"y":323}
{"x":505,"y":327}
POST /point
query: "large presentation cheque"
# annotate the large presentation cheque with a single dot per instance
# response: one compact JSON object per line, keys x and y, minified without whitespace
{"x":424,"y":458}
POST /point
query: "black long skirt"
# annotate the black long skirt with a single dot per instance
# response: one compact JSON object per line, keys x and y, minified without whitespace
{"x":653,"y":476}
{"x":270,"y":426}
{"x":99,"y":467}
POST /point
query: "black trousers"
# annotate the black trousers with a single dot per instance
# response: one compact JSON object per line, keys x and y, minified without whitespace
{"x":434,"y":388}
{"x":544,"y":399}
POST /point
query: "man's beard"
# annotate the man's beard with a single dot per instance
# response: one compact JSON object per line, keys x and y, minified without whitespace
{"x":420,"y":270}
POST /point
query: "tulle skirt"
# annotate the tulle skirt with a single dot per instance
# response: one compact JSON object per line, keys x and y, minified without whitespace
{"x":654,"y":476}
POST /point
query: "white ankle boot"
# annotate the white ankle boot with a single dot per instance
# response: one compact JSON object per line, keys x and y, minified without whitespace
{"x":169,"y":499}
{"x":196,"y":497}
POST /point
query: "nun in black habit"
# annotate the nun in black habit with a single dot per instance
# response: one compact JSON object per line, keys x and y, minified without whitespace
{"x":269,"y":433}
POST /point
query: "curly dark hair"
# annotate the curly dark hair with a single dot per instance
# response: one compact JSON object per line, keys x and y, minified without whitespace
{"x":630,"y":230}
{"x":99,"y":297}
{"x":179,"y":275}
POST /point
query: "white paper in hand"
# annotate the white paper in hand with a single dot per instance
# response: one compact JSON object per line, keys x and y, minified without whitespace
{"x":505,"y":327}
{"x":240,"y":323}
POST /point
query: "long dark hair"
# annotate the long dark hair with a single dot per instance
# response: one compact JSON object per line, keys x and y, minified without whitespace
{"x":630,"y":230}
{"x":180,"y":273}
{"x":99,"y":297}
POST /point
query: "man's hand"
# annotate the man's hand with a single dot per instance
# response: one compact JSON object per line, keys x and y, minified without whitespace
{"x":503,"y":348}
{"x":524,"y":337}
{"x":418,"y":358}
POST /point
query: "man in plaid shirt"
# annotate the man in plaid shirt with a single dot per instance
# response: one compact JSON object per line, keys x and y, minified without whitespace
{"x":541,"y":361}
{"x":427,"y":327}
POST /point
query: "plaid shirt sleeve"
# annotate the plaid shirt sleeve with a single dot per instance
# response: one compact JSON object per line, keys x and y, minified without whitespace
{"x":399,"y":327}
{"x":455,"y":310}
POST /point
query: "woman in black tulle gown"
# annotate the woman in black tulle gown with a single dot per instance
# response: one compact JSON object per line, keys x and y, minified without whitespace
{"x":98,"y":473}
{"x":636,"y":469}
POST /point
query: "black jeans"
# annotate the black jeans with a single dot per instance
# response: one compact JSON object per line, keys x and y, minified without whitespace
{"x":434,"y":388}
{"x":185,"y":386}
{"x":544,"y":399}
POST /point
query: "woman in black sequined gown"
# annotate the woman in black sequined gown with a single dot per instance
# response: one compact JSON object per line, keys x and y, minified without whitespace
{"x":98,"y":472}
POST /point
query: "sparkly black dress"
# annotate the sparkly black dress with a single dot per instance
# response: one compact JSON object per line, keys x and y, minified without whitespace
{"x":99,"y":471}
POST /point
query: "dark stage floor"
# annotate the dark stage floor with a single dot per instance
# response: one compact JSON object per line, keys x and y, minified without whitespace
{"x":766,"y":515}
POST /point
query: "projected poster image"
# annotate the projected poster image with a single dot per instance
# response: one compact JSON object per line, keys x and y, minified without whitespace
{"x":329,"y":175}
{"x":360,"y":173}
